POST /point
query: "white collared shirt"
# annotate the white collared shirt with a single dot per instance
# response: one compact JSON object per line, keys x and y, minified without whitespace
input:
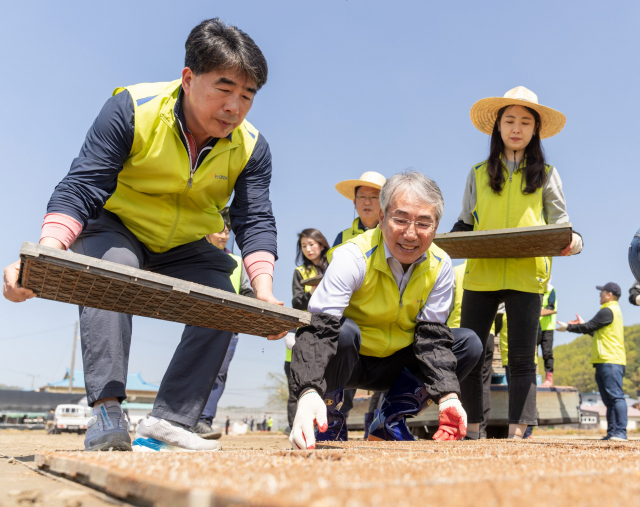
{"x":346,"y":273}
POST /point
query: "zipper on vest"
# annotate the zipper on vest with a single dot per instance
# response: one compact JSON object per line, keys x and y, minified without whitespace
{"x":191,"y":166}
{"x":400,"y":304}
{"x":175,"y":223}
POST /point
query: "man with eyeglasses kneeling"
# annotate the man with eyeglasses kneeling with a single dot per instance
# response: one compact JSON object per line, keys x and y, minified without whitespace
{"x":379,"y":323}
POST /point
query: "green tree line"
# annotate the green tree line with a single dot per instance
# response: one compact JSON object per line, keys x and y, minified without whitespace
{"x":573,"y":363}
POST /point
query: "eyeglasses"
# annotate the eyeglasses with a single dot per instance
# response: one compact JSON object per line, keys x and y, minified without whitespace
{"x":365,"y":199}
{"x":403,"y":223}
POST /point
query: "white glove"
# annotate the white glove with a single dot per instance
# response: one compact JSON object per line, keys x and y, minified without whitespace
{"x":290,"y":340}
{"x":311,"y":408}
{"x":562,"y":326}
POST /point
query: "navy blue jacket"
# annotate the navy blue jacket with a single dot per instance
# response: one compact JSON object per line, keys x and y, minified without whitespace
{"x":93,"y":177}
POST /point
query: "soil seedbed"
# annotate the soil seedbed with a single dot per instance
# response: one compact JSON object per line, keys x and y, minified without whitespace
{"x":354,"y":474}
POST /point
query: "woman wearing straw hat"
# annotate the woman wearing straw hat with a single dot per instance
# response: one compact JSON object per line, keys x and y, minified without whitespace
{"x":514,"y":187}
{"x":364,"y":193}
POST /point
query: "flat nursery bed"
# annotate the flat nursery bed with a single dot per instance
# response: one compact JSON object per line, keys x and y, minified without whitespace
{"x":424,"y":473}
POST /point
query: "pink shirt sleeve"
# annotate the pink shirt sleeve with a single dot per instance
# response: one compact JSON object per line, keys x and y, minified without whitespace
{"x":259,"y":263}
{"x":61,"y":227}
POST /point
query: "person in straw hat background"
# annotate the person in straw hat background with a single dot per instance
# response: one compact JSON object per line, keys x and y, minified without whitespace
{"x":514,"y":187}
{"x":364,"y":193}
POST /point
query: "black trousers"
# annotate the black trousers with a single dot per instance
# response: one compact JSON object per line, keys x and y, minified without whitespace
{"x":487,"y":372}
{"x":351,"y":370}
{"x":523,"y":316}
{"x":545,"y":339}
{"x":347,"y":401}
{"x":292,"y":402}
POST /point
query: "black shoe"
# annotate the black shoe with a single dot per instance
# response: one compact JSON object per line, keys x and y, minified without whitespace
{"x":205,"y":430}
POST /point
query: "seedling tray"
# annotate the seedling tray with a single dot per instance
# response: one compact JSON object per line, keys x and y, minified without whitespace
{"x":313,"y":281}
{"x":540,"y":241}
{"x":80,"y":280}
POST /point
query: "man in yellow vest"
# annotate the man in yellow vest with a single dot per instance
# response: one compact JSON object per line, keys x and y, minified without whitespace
{"x":159,"y":162}
{"x":240,"y":281}
{"x":378,"y":323}
{"x":607,"y":356}
{"x":364,"y":193}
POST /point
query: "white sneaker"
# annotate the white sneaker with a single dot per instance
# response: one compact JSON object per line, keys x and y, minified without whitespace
{"x":157,"y":435}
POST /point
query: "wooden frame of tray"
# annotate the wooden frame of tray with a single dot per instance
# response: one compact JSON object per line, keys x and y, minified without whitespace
{"x":80,"y":280}
{"x":539,"y":241}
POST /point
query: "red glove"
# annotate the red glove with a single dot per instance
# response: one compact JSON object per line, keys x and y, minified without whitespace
{"x":453,"y":421}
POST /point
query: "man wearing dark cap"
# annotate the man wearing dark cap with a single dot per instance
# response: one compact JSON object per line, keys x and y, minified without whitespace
{"x":607,"y":355}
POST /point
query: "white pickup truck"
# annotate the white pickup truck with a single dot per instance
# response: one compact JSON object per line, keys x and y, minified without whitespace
{"x":71,"y":419}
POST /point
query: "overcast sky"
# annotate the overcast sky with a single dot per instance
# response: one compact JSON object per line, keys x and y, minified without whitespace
{"x":353,"y":86}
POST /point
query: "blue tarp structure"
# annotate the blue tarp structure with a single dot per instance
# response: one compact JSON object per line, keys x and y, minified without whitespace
{"x":32,"y":401}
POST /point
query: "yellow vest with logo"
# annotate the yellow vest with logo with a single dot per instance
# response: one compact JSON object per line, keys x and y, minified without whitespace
{"x":548,"y":322}
{"x":153,"y":198}
{"x":510,"y":208}
{"x":306,"y":274}
{"x":454,"y":318}
{"x":236,"y":276}
{"x":607,"y":345}
{"x":386,"y":321}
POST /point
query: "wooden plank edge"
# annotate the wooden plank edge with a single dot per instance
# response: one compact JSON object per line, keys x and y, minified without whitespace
{"x":133,"y":491}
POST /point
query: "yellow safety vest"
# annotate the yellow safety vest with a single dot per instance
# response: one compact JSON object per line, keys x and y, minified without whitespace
{"x":510,"y":208}
{"x":236,"y":276}
{"x":352,"y":231}
{"x":454,"y":318}
{"x":306,"y":274}
{"x":153,"y":197}
{"x":548,"y":322}
{"x":386,"y":321}
{"x":607,"y":345}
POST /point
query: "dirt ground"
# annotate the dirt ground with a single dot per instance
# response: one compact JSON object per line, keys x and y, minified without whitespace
{"x":262,"y":470}
{"x":20,"y":486}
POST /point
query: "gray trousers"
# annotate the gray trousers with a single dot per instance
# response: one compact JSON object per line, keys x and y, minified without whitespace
{"x":211,"y":407}
{"x":106,"y":336}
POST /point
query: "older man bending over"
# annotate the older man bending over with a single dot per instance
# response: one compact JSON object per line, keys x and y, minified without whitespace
{"x":379,"y":324}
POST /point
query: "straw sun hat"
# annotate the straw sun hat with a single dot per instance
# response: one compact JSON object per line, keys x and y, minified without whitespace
{"x":369,"y":179}
{"x":485,"y":111}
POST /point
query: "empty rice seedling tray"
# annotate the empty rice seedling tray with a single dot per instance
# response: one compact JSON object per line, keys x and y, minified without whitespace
{"x":539,"y":241}
{"x":85,"y":281}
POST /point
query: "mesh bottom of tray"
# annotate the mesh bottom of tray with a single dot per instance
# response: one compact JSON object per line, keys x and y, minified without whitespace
{"x":544,"y":241}
{"x":185,"y":302}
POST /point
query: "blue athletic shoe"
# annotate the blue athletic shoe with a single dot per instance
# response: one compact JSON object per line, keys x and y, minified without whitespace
{"x":108,"y":430}
{"x":406,"y":398}
{"x":160,"y":435}
{"x":337,"y":430}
